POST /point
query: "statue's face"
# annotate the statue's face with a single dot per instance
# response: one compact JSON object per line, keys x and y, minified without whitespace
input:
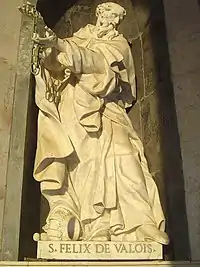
{"x":108,"y":17}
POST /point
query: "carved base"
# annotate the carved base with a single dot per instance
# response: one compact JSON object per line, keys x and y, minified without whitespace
{"x":55,"y":250}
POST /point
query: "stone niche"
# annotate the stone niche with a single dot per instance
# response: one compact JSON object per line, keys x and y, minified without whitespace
{"x":153,"y":115}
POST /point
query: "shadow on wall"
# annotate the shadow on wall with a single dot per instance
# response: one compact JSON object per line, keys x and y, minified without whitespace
{"x":52,"y":10}
{"x":154,"y":115}
{"x":30,"y":222}
{"x":158,"y":122}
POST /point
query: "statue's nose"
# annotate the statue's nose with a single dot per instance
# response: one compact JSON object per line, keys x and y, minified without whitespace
{"x":117,"y":20}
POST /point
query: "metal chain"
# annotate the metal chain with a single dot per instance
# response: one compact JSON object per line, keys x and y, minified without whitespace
{"x":53,"y":86}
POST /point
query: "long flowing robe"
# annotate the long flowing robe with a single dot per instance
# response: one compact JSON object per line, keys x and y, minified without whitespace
{"x":89,"y":158}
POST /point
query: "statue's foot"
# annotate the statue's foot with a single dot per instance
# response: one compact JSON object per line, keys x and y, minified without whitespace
{"x":52,"y":235}
{"x":40,"y":237}
{"x":62,"y":226}
{"x":54,"y":231}
{"x":151,"y":233}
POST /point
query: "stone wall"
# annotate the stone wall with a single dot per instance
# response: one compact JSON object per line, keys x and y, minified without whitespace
{"x":154,"y":118}
{"x":183,"y":30}
{"x":16,"y":146}
{"x":10,"y":21}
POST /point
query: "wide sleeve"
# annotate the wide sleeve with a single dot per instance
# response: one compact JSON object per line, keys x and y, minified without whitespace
{"x":81,"y":60}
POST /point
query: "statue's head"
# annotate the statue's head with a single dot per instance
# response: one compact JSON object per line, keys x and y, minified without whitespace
{"x":109,"y":14}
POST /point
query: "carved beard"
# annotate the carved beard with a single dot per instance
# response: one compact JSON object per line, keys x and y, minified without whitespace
{"x":105,"y":29}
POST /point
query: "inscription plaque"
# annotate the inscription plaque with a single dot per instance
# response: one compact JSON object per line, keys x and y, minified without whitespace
{"x":99,"y":250}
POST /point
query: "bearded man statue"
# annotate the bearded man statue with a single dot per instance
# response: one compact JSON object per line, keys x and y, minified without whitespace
{"x":89,"y":160}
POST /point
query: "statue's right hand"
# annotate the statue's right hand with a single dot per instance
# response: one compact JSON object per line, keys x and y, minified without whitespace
{"x":49,"y":41}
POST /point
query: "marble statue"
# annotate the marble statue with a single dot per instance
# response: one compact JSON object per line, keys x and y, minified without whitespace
{"x":90,"y":161}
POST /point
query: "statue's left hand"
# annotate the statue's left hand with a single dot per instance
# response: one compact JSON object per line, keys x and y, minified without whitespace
{"x":49,"y":41}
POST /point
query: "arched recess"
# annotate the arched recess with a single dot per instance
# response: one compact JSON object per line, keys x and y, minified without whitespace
{"x":153,"y":115}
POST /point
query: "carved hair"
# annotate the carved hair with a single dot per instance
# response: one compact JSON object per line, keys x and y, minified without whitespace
{"x":113,"y":7}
